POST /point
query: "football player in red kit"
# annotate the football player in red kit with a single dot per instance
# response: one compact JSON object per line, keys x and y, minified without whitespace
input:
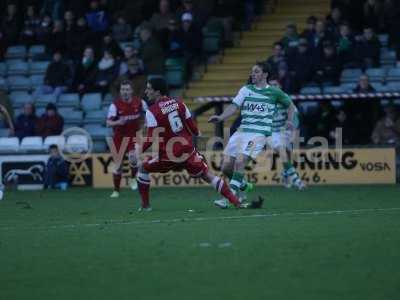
{"x":171,"y":128}
{"x":126,"y":117}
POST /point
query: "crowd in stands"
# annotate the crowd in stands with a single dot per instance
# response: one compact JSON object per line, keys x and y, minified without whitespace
{"x":348,"y":38}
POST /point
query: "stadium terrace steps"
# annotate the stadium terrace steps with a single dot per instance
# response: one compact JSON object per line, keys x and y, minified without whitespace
{"x":255,"y":45}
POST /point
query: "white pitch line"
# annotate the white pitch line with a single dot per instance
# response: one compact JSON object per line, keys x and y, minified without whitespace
{"x":205,"y":219}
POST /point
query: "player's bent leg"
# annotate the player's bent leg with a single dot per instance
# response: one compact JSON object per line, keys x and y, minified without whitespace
{"x":227,"y":165}
{"x":134,"y":169}
{"x":117,"y":175}
{"x":143,"y":179}
{"x":222,"y":188}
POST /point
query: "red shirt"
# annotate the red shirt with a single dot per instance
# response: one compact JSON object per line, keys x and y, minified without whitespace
{"x":130,"y":111}
{"x":176,"y":128}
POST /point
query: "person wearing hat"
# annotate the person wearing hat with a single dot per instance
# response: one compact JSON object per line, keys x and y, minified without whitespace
{"x":50,"y":123}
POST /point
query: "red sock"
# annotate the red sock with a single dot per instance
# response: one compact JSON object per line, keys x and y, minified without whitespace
{"x":117,"y":181}
{"x":144,"y":188}
{"x":221,"y":186}
{"x":134,"y":172}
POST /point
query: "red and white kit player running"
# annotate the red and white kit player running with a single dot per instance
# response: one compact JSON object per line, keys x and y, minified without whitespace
{"x":126,"y":117}
{"x":169,"y":123}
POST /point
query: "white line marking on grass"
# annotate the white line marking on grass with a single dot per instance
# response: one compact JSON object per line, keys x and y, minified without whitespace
{"x":206,"y":219}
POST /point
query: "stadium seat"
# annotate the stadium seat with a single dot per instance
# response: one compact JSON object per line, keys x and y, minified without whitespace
{"x":97,"y":131}
{"x":68,"y":100}
{"x":18,"y":99}
{"x":91,"y":101}
{"x":17,"y":68}
{"x":376,"y":74}
{"x":335,"y":90}
{"x":384,"y":39}
{"x":4,"y":132}
{"x":3,"y":69}
{"x":310,"y":91}
{"x":38,"y":67}
{"x":100,"y":146}
{"x":58,"y":140}
{"x":393,"y":74}
{"x":388,"y":57}
{"x":36,"y":81}
{"x":9,"y":144}
{"x":74,"y":118}
{"x":95,"y":117}
{"x":63,"y":111}
{"x":16,"y":52}
{"x":77,"y":143}
{"x":40,"y":111}
{"x":43,"y":100}
{"x":3,"y":84}
{"x":31,"y":144}
{"x":19,"y":83}
{"x":393,"y":86}
{"x":308,"y":107}
{"x":108,"y":99}
{"x":350,"y":75}
{"x":349,"y":87}
{"x":36,"y":50}
{"x":211,"y":42}
{"x":380,"y":88}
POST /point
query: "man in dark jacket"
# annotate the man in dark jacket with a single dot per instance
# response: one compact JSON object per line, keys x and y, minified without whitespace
{"x":368,"y":49}
{"x":26,"y":123}
{"x":51,"y":123}
{"x":57,"y":172}
{"x":300,"y":64}
{"x":57,"y":78}
{"x":327,"y":67}
{"x":151,"y":53}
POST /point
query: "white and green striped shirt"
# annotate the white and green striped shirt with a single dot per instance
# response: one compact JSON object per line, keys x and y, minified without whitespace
{"x":258,"y":107}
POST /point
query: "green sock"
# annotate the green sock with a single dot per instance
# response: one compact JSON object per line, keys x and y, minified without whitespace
{"x":287,"y":166}
{"x":236,"y":181}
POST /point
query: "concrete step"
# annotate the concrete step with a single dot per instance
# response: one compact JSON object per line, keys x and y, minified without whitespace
{"x":204,"y":92}
{"x":240,"y":58}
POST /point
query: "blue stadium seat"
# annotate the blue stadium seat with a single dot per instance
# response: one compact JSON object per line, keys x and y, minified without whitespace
{"x":3,"y":69}
{"x":349,"y":87}
{"x":97,"y":131}
{"x":95,"y":117}
{"x":63,"y":111}
{"x":77,"y":143}
{"x":335,"y":90}
{"x":74,"y":118}
{"x":308,"y":107}
{"x":3,"y":84}
{"x":393,"y":86}
{"x":379,"y":87}
{"x":384,"y":39}
{"x":17,"y":68}
{"x":9,"y":145}
{"x":36,"y":50}
{"x":108,"y":99}
{"x":91,"y":101}
{"x":16,"y":52}
{"x":40,"y":111}
{"x":100,"y":146}
{"x":393,"y":74}
{"x":69,"y":100}
{"x":4,"y":132}
{"x":43,"y":100}
{"x":350,"y":75}
{"x":18,"y":99}
{"x":58,"y":140}
{"x":376,"y":74}
{"x":37,"y":80}
{"x":31,"y":144}
{"x":310,"y":91}
{"x":19,"y":83}
{"x":388,"y":57}
{"x":38,"y":67}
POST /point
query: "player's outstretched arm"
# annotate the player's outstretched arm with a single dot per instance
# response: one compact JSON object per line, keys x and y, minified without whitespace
{"x":228,"y":112}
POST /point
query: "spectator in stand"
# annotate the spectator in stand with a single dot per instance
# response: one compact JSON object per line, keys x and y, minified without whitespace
{"x":284,"y":79}
{"x":11,"y":25}
{"x":107,"y":72}
{"x":50,"y":123}
{"x":79,"y":38}
{"x":224,"y":12}
{"x":334,"y":20}
{"x":31,"y":25}
{"x":130,"y":53}
{"x":57,"y":78}
{"x":70,"y":31}
{"x":121,"y":30}
{"x":276,"y":59}
{"x":372,"y":14}
{"x":300,"y":64}
{"x":346,"y":46}
{"x":53,"y":8}
{"x":109,"y":44}
{"x":97,"y":18}
{"x":199,"y":17}
{"x":134,"y":73}
{"x":173,"y":41}
{"x":3,"y":45}
{"x":26,"y":123}
{"x":85,"y":74}
{"x":69,"y":21}
{"x":56,"y":40}
{"x":324,"y":118}
{"x":321,"y":36}
{"x":291,"y":38}
{"x":327,"y":67}
{"x":341,"y":121}
{"x":387,"y":130}
{"x":44,"y":30}
{"x":160,"y":20}
{"x":192,"y":42}
{"x":368,"y":49}
{"x":57,"y":171}
{"x":309,"y":33}
{"x":6,"y":120}
{"x":151,"y":53}
{"x":364,"y":85}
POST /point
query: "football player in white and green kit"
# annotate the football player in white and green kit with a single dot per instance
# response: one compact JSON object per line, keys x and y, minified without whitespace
{"x":282,"y":142}
{"x":257,"y":103}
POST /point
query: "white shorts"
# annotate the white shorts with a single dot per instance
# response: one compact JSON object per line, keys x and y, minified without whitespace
{"x":282,"y":139}
{"x":247,"y":143}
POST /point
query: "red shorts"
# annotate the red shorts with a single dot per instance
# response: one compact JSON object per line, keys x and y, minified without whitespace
{"x":126,"y":142}
{"x":194,"y":165}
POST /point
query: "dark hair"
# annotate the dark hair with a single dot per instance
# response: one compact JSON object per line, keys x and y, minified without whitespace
{"x":126,"y":82}
{"x":53,"y":147}
{"x":263,"y":66}
{"x":159,"y":84}
{"x":278,"y":44}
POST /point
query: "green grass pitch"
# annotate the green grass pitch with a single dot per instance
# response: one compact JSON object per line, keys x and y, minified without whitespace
{"x":339,"y":242}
